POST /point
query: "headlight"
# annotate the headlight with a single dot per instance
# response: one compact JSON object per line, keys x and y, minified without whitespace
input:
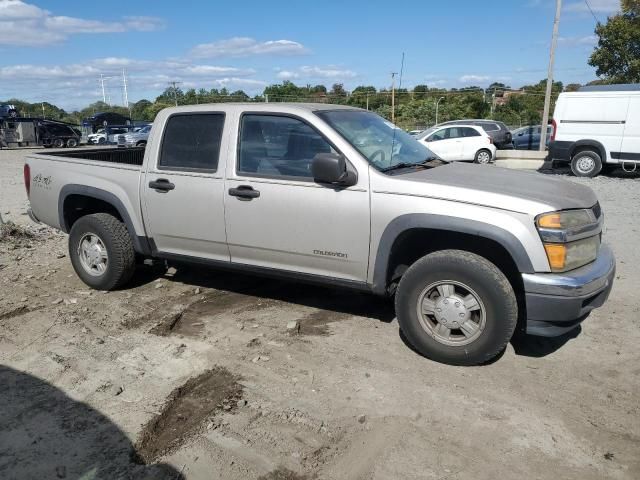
{"x":567,"y":256}
{"x":571,"y":238}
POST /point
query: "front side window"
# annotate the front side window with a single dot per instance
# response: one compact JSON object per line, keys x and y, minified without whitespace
{"x":382,"y":143}
{"x":192,"y":142}
{"x":439,"y":135}
{"x":278,"y":146}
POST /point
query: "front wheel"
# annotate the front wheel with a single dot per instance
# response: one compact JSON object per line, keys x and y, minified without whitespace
{"x":483,"y":157}
{"x":456,"y":307}
{"x":58,"y":143}
{"x":72,"y":143}
{"x":101,"y":251}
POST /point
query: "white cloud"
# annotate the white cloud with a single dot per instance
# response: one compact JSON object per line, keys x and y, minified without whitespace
{"x":329,"y":72}
{"x":598,"y":6}
{"x":474,"y":78}
{"x":245,"y":46}
{"x":287,"y":75}
{"x":23,"y":24}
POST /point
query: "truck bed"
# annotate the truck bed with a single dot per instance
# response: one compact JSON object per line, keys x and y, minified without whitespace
{"x":126,"y":156}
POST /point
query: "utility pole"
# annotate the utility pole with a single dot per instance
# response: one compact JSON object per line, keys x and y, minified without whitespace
{"x":547,"y":97}
{"x":42,"y":104}
{"x":437,"y":105}
{"x":393,"y":97}
{"x":174,"y":85}
{"x":367,"y":100}
{"x":104,"y":97}
{"x":124,"y":84}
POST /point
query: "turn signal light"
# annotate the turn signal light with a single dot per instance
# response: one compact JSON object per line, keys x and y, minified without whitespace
{"x":557,"y":255}
{"x":551,"y":220}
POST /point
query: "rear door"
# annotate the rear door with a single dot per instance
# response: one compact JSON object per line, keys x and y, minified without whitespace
{"x":471,"y":142}
{"x":630,"y":149}
{"x":183,"y":190}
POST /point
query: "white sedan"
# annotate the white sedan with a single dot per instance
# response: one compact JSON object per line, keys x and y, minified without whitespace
{"x":459,"y":143}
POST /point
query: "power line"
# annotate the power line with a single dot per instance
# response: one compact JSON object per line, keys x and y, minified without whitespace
{"x":591,"y":10}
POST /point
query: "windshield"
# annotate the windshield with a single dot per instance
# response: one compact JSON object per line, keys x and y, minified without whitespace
{"x":379,"y":141}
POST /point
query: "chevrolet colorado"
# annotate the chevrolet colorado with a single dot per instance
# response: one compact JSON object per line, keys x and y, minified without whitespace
{"x":336,"y":195}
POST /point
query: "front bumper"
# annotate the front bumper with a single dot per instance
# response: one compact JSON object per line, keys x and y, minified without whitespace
{"x":558,"y":302}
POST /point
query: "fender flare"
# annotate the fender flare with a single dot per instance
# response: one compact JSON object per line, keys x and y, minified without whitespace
{"x":443,"y":222}
{"x":589,"y":143}
{"x":140,"y":243}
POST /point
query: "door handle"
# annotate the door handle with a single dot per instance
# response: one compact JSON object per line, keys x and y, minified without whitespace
{"x":244,"y":192}
{"x":162,"y":184}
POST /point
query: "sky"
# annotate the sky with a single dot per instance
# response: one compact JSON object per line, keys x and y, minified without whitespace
{"x":56,"y":51}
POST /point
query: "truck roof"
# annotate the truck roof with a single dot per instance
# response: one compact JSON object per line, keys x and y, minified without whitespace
{"x":255,"y":106}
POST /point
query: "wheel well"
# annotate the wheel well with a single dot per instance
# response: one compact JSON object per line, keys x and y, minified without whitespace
{"x":77,"y":206}
{"x":414,"y":244}
{"x":589,"y":147}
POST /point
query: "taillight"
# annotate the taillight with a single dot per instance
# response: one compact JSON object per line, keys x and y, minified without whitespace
{"x":554,"y":128}
{"x":490,"y":140}
{"x":27,"y":178}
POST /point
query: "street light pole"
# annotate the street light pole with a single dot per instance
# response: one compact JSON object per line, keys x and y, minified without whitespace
{"x":547,"y":97}
{"x":393,"y":97}
{"x":437,"y":105}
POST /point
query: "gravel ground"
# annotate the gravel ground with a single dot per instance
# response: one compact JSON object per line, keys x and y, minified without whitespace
{"x":194,"y":373}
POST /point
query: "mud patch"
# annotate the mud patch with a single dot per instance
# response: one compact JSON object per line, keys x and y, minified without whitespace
{"x":186,"y":409}
{"x":317,"y":323}
{"x":282,"y":473}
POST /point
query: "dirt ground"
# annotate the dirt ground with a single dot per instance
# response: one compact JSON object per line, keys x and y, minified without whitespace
{"x":193,"y":374}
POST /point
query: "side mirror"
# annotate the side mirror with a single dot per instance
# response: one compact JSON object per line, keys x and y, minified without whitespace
{"x":332,"y":168}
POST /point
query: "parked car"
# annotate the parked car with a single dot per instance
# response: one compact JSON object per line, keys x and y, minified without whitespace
{"x":9,"y":111}
{"x":415,"y":133}
{"x":135,"y":139}
{"x":498,"y":131}
{"x":102,"y":119}
{"x":57,"y":135}
{"x":107,"y":135}
{"x":528,"y":138}
{"x":460,"y":142}
{"x":595,"y":127}
{"x":469,"y":252}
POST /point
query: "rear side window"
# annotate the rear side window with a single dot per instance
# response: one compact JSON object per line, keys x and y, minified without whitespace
{"x":192,"y":142}
{"x":490,"y":127}
{"x":469,"y":132}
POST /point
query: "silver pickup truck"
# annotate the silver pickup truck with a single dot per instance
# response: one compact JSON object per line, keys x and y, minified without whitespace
{"x":336,"y":195}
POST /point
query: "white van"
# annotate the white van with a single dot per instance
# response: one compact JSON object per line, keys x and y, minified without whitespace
{"x":597,"y":126}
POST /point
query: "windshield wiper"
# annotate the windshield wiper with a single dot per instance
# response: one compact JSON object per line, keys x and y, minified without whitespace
{"x":400,"y":165}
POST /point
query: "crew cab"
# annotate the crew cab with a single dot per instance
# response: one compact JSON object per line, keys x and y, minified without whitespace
{"x":336,"y":195}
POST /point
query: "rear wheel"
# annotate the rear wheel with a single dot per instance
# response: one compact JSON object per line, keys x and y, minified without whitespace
{"x":586,"y":163}
{"x":483,"y":156}
{"x":456,"y":307}
{"x":72,"y":142}
{"x":101,"y":251}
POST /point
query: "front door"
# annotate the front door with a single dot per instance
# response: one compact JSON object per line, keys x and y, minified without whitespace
{"x":278,"y":217}
{"x":183,"y":192}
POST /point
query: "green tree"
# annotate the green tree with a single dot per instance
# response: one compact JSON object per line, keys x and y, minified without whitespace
{"x":617,"y":55}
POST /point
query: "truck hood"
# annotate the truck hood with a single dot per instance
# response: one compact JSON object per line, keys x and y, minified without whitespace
{"x":526,"y":192}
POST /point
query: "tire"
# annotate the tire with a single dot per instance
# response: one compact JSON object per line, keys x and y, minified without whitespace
{"x":481,"y":292}
{"x":483,"y":156}
{"x":102,"y":140}
{"x":72,"y":143}
{"x":57,"y":143}
{"x":113,"y":239}
{"x":586,"y":163}
{"x":141,"y":143}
